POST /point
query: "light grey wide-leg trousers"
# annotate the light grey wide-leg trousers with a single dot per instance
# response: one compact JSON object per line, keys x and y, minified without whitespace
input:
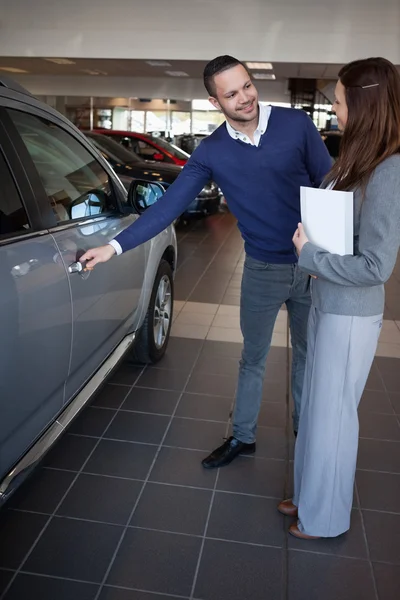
{"x":339,"y":357}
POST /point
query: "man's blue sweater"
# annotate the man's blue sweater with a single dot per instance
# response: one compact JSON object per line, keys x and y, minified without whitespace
{"x":261,"y":184}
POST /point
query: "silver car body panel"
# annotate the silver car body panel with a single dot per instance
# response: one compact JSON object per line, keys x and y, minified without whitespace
{"x":64,"y":331}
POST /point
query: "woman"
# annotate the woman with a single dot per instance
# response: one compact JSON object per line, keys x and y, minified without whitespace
{"x":347,"y":298}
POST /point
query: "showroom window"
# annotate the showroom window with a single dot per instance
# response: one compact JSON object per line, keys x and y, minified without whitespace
{"x":75,"y":182}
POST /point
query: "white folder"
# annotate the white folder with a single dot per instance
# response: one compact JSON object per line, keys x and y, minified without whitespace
{"x":327,"y":217}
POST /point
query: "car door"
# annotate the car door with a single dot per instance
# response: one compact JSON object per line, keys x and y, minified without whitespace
{"x":35,"y":316}
{"x":85,"y":198}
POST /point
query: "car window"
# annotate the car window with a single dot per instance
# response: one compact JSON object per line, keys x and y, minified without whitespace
{"x":75,"y":182}
{"x":171,"y":148}
{"x":13,"y":216}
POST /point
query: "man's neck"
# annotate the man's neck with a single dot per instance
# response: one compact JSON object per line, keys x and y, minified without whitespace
{"x":246,"y":127}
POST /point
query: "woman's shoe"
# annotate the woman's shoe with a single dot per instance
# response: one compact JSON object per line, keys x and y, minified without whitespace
{"x":295,"y":531}
{"x":286,"y":507}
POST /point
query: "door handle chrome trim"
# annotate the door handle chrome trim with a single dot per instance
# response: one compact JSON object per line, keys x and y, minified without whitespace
{"x":76,"y":267}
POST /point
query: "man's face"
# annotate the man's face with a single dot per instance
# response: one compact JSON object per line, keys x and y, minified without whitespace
{"x":235,"y":95}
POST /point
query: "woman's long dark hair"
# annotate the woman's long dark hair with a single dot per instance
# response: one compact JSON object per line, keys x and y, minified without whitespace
{"x":372,"y":132}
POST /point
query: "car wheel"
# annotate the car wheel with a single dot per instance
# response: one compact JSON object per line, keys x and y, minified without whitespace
{"x":153,"y":337}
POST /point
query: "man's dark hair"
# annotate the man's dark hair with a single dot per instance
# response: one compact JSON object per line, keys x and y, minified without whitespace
{"x":216,"y":66}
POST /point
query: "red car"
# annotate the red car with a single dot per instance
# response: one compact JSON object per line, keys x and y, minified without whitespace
{"x":147,"y":146}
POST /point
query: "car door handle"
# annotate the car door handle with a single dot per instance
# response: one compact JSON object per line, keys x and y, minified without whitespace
{"x":76,"y":267}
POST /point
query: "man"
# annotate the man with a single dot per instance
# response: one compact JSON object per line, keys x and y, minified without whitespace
{"x":260,"y":157}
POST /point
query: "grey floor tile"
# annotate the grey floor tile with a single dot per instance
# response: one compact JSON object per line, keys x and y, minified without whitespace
{"x":390,"y":372}
{"x":195,"y":435}
{"x":379,"y":456}
{"x":92,"y":422}
{"x":253,"y":476}
{"x":271,"y":443}
{"x":379,"y":427}
{"x":99,"y":498}
{"x":136,"y":427}
{"x":383,"y":536}
{"x":111,"y":396}
{"x":217,"y":365}
{"x":37,"y":587}
{"x":246,"y":519}
{"x":209,"y":408}
{"x":275,"y":391}
{"x":272,"y":414}
{"x":379,"y":491}
{"x":375,"y":402}
{"x":43,"y":491}
{"x":212,"y":295}
{"x":374,"y":381}
{"x":395,"y":402}
{"x":126,"y":374}
{"x":172,"y":508}
{"x":387,"y":579}
{"x":178,"y":361}
{"x":163,"y":379}
{"x":5,"y":578}
{"x":18,"y":532}
{"x":121,"y":459}
{"x":182,"y":467}
{"x":75,"y":550}
{"x":238,"y":572}
{"x":226,"y":349}
{"x":156,"y":561}
{"x":276,"y":371}
{"x":151,"y":401}
{"x":350,"y":544}
{"x":317,"y":577}
{"x":113,"y":593}
{"x":181,"y":354}
{"x":277,"y":355}
{"x":70,"y":452}
{"x":215,"y":385}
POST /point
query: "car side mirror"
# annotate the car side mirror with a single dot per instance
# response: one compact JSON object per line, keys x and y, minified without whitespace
{"x":158,"y":156}
{"x":142,"y":194}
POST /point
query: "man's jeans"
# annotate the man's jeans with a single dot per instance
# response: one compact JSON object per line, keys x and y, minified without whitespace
{"x":265,"y":287}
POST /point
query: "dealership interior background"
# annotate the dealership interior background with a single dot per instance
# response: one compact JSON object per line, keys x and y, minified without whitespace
{"x":121,"y":509}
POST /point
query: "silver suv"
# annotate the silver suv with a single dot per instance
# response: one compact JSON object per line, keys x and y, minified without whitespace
{"x":64,"y":329}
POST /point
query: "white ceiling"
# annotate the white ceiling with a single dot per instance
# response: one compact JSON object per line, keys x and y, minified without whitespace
{"x":140,"y":68}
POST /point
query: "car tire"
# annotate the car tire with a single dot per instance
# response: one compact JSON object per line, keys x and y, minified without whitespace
{"x":153,"y":336}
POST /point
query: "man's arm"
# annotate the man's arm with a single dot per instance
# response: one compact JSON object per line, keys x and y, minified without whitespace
{"x":195,"y":174}
{"x":317,"y":157}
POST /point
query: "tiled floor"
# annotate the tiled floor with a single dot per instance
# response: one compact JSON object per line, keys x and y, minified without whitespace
{"x":123,"y":510}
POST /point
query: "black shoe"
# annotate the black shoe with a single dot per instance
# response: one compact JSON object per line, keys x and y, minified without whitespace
{"x":227,"y":452}
{"x":295,"y":433}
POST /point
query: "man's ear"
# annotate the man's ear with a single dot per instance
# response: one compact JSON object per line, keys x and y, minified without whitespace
{"x":214,"y":102}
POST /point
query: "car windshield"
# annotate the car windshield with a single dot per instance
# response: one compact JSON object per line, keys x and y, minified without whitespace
{"x":115,"y":150}
{"x":174,"y":150}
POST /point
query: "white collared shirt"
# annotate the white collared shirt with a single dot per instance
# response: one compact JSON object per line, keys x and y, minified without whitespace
{"x":263,"y":119}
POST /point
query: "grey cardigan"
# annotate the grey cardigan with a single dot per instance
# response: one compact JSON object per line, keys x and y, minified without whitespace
{"x":353,"y":285}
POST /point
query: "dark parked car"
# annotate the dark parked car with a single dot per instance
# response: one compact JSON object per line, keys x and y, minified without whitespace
{"x":148,"y":147}
{"x":128,"y":165}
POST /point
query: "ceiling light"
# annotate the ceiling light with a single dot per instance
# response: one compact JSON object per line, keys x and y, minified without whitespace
{"x":259,"y":65}
{"x":60,"y":61}
{"x":176,"y":73}
{"x":92,"y":72}
{"x":158,"y":63}
{"x":13,"y":70}
{"x":263,"y":76}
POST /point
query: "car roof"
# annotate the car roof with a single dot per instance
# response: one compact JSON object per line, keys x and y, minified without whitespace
{"x":125,"y":133}
{"x":14,"y":91}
